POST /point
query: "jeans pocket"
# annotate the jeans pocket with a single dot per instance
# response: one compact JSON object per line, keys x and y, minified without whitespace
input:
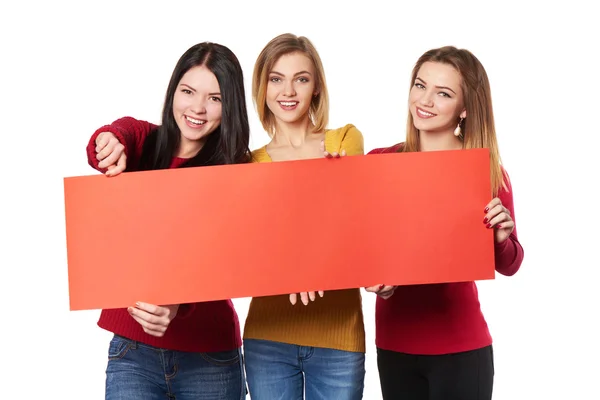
{"x":222,"y":358}
{"x":118,"y":347}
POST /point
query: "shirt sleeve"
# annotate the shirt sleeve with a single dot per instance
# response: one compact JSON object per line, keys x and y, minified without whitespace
{"x":508,"y":254}
{"x":130,"y":132}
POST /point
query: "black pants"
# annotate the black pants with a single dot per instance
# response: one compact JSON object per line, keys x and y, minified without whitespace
{"x":460,"y":376}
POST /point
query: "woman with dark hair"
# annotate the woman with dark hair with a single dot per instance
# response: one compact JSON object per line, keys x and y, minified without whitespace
{"x":183,"y":351}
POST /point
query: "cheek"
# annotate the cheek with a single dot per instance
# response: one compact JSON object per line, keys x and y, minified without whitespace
{"x":413,"y":97}
{"x":216,"y":111}
{"x":178,"y":103}
{"x":447,"y":107}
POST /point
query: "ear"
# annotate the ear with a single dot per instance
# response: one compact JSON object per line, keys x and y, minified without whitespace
{"x":463,"y":114}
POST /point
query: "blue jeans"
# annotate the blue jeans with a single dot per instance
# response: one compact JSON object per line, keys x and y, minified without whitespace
{"x":281,"y":371}
{"x":138,"y":371}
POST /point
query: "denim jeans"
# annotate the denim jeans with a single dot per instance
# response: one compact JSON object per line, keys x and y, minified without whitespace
{"x":281,"y":371}
{"x":137,"y":371}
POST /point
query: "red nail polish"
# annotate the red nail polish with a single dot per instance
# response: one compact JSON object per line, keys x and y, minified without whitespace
{"x":488,"y":226}
{"x":498,"y":226}
{"x":486,"y":209}
{"x":485,"y":220}
{"x":381,"y":286}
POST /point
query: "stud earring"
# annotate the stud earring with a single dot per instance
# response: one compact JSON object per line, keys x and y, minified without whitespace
{"x":458,"y":131}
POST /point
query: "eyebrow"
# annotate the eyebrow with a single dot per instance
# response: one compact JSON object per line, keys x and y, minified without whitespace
{"x":191,"y":88}
{"x":439,"y":87}
{"x":296,"y":74}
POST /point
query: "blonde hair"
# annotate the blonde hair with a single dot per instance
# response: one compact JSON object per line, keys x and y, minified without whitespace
{"x":288,"y":43}
{"x":478,"y":127}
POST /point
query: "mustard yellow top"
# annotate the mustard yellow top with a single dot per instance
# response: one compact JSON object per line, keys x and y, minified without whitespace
{"x":334,"y":321}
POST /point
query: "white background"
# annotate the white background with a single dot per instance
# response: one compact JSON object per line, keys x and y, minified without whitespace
{"x":67,"y":69}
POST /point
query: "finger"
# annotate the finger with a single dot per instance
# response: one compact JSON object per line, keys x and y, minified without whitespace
{"x":312,"y":296}
{"x":335,"y":155}
{"x":386,"y":295}
{"x":108,"y":147}
{"x":112,"y":157}
{"x":343,"y":152}
{"x":495,"y":201}
{"x":149,"y":308}
{"x":509,"y":224}
{"x":327,"y":154}
{"x":492,"y":213}
{"x":374,"y":289}
{"x":146,"y":320}
{"x":293,"y":298}
{"x":321,"y":293}
{"x":322,"y":146}
{"x":158,"y":332}
{"x":115,"y":170}
{"x":102,"y":141}
{"x":304,"y":298}
{"x":499,"y":217}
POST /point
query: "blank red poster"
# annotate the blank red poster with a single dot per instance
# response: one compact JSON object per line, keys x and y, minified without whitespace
{"x":210,"y":233}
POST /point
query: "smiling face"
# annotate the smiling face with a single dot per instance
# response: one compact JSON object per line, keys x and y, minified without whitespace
{"x":291,"y":88}
{"x":197,"y":106}
{"x":436,"y":98}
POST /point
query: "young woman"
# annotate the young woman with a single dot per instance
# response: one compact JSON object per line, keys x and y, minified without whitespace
{"x":433,"y":342}
{"x":318,"y":349}
{"x":183,"y":351}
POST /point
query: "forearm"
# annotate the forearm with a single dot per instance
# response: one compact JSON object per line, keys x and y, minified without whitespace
{"x":508,"y":256}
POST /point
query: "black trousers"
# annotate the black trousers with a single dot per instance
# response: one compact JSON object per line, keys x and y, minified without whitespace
{"x":461,"y":376}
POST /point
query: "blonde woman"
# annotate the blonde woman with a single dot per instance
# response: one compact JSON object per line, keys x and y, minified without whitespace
{"x":314,"y":349}
{"x":433,"y":342}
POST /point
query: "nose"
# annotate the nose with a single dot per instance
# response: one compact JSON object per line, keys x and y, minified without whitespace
{"x":289,"y":89}
{"x":199,"y":107}
{"x":426,"y":98}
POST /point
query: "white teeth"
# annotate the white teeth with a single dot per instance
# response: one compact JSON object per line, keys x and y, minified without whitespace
{"x":195,"y":121}
{"x":425,"y":113}
{"x":288,"y":103}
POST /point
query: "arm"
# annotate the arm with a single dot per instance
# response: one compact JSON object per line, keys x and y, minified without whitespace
{"x":508,"y":254}
{"x":130,"y":132}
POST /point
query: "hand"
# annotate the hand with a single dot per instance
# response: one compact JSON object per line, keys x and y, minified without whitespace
{"x":111,"y":154}
{"x":154,"y":319}
{"x":383,"y":291}
{"x":305,"y":296}
{"x":326,"y":154}
{"x":498,"y":218}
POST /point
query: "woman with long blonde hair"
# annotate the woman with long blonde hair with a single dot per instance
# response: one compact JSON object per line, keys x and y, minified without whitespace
{"x":433,"y":341}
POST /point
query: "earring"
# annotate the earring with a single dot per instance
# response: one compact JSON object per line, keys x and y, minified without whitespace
{"x":458,"y":131}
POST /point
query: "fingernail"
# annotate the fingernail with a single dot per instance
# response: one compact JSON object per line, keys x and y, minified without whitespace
{"x":498,"y":226}
{"x":486,"y":209}
{"x":381,"y":286}
{"x":137,"y":303}
{"x":485,"y":220}
{"x":488,"y":226}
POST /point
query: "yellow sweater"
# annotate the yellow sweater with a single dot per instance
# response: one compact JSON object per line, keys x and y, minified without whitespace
{"x":334,"y":321}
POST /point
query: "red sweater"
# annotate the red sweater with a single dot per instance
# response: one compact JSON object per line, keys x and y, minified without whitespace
{"x":441,"y":318}
{"x":199,"y":327}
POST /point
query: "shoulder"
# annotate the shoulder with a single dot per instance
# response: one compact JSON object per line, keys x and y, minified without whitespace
{"x":347,"y":138}
{"x":346,"y":132}
{"x":383,"y":150}
{"x":260,"y":155}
